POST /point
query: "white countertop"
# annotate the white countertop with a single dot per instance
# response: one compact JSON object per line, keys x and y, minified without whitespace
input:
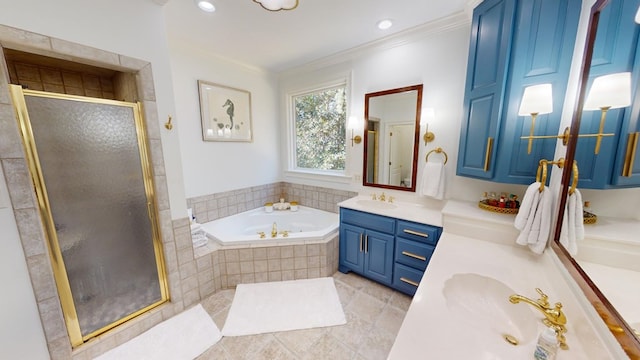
{"x":421,"y":213}
{"x":432,"y":330}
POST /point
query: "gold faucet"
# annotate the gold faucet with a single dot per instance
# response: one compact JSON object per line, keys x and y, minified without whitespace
{"x":382,"y":197}
{"x":554,"y":317}
{"x":274,"y":230}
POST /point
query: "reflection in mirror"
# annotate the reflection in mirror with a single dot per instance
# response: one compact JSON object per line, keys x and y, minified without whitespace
{"x":392,"y":125}
{"x":606,"y":264}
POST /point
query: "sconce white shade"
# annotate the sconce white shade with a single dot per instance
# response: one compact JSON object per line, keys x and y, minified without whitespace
{"x":612,"y":91}
{"x":354,"y":123}
{"x":428,"y":114}
{"x":637,"y":19}
{"x":537,"y":99}
{"x":205,"y":5}
{"x":275,"y":5}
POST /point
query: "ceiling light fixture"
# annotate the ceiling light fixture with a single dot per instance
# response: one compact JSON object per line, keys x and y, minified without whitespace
{"x":384,"y":24}
{"x":205,"y":5}
{"x":277,"y":5}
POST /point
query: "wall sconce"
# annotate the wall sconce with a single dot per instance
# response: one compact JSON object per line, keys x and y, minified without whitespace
{"x":354,"y":124}
{"x":428,"y":114}
{"x":536,"y":100}
{"x":607,"y":92}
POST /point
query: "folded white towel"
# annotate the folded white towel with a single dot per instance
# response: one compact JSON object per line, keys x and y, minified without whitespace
{"x":572,"y":223}
{"x":534,"y":218}
{"x":433,"y":180}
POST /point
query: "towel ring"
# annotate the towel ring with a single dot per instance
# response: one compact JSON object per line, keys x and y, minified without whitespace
{"x":439,"y":151}
{"x":542,"y":167}
{"x":574,"y":181}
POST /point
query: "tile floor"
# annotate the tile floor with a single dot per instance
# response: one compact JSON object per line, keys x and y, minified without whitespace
{"x":374,"y":315}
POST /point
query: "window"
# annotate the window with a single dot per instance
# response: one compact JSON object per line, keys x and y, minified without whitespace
{"x":319,"y":120}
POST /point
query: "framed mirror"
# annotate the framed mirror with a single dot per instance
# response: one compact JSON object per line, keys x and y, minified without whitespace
{"x":605,"y":270}
{"x":391,"y":132}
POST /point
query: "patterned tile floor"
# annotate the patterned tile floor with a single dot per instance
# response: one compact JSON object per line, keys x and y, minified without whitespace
{"x":374,"y":315}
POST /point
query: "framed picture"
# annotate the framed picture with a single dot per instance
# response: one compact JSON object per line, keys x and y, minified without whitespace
{"x":225,"y":113}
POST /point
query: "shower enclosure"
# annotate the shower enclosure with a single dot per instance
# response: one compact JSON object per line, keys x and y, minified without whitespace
{"x":90,"y":166}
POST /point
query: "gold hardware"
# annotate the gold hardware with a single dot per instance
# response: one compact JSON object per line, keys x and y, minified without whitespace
{"x":274,"y":230}
{"x":406,"y":253}
{"x":373,"y":196}
{"x":410,"y":282}
{"x":366,"y":244}
{"x":355,"y":139}
{"x":439,"y":151}
{"x":542,"y":168}
{"x":574,"y":181}
{"x":361,"y":245}
{"x":428,"y":137}
{"x":262,"y":234}
{"x":391,"y":199}
{"x":382,"y":197}
{"x":487,"y":155}
{"x":285,"y":233}
{"x":511,"y":339}
{"x":554,"y":317}
{"x":567,"y":133}
{"x":630,"y":157}
{"x":168,"y":124}
{"x":417,"y":233}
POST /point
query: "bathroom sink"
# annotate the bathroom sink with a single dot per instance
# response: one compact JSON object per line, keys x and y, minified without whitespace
{"x":376,"y":204}
{"x":483,"y":302}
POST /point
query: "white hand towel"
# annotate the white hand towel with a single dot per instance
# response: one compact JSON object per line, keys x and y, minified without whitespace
{"x":572,"y":223}
{"x":539,"y":236}
{"x":433,"y":180}
{"x":527,"y":206}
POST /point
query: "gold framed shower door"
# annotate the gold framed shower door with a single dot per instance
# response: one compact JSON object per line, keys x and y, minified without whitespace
{"x":45,"y":209}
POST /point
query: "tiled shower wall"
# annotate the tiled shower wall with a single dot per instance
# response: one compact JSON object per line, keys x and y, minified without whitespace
{"x":214,"y":206}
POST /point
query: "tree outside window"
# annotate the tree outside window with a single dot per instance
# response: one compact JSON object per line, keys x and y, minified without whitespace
{"x":320,"y":120}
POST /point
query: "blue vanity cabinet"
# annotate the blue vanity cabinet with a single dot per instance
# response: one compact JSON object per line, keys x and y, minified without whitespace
{"x":514,"y":44}
{"x":366,"y":245}
{"x":415,"y":244}
{"x":615,"y":50}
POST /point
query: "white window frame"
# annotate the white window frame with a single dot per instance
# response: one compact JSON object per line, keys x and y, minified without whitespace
{"x":292,"y":170}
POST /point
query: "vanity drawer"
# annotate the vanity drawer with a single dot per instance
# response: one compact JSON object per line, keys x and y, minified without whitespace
{"x":406,"y":279}
{"x":413,"y":253}
{"x":418,"y":232}
{"x":368,"y":221}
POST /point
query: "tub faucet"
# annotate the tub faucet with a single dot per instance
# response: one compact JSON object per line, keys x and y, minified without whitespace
{"x":382,"y":197}
{"x":554,"y":317}
{"x":274,"y":230}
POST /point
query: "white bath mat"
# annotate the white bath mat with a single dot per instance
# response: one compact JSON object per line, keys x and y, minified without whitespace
{"x":184,"y":336}
{"x":282,"y":306}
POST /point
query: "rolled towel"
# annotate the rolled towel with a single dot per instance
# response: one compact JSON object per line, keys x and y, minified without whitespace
{"x":539,"y":235}
{"x":528,"y":205}
{"x":572,"y":223}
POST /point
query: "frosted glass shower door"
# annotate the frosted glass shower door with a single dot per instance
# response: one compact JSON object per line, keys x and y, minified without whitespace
{"x":91,"y":160}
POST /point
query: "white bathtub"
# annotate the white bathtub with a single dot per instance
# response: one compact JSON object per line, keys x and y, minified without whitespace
{"x":307,"y":225}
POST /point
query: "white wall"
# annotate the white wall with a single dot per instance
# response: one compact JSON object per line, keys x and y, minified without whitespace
{"x":211,"y":167}
{"x":21,"y":334}
{"x":435,"y":56}
{"x":131,"y":28}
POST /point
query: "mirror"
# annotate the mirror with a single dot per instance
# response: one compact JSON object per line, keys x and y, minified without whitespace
{"x":391,"y":131}
{"x":608,"y":259}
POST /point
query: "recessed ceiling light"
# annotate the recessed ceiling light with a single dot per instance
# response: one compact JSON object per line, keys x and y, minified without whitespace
{"x":206,"y":5}
{"x":384,"y":24}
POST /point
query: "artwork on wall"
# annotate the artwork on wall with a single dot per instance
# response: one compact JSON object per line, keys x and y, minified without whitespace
{"x":225,"y":113}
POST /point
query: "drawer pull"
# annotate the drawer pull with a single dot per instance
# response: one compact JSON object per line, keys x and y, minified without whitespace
{"x":630,"y":157}
{"x":366,"y":243}
{"x":403,"y":279}
{"x":406,"y":253}
{"x":416,"y":233}
{"x":487,"y":155}
{"x":361,"y":247}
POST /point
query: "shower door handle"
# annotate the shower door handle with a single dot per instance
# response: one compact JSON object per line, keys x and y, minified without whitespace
{"x":361,"y":247}
{"x":150,"y":210}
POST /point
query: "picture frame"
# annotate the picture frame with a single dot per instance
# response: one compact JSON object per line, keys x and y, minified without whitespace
{"x":225,"y":113}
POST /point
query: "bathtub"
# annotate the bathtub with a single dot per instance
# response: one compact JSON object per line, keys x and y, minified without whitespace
{"x":307,"y":225}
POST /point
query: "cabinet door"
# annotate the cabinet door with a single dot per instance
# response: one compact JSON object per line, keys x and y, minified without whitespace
{"x":543,"y":44}
{"x":487,"y":65}
{"x":379,"y":256}
{"x":351,"y":248}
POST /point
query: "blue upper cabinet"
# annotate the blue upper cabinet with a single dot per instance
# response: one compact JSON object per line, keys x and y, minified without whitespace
{"x":489,"y":48}
{"x":615,"y":50}
{"x":531,"y":42}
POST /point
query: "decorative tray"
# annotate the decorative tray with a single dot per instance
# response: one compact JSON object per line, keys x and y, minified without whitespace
{"x":589,"y":218}
{"x":484,"y":205}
